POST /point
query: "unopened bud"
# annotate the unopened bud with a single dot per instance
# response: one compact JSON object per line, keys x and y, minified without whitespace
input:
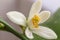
{"x":1,"y":25}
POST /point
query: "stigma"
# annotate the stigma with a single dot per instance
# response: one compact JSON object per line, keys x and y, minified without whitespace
{"x":35,"y":21}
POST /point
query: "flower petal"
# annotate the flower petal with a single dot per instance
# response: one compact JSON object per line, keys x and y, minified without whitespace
{"x":44,"y":15}
{"x":28,"y":33}
{"x":17,"y":17}
{"x":36,"y":7}
{"x":45,"y":32}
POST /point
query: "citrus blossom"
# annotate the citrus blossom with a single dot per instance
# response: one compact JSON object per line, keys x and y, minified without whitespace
{"x":32,"y":23}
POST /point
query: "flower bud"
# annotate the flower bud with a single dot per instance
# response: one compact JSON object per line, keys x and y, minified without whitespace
{"x":1,"y":25}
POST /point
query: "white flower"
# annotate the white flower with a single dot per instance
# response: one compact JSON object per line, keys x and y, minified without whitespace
{"x":35,"y":17}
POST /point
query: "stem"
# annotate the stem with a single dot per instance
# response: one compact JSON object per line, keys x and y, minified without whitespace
{"x":22,"y":36}
{"x":9,"y":28}
{"x":23,"y":28}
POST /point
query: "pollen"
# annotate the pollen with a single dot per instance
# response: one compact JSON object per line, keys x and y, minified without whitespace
{"x":35,"y":21}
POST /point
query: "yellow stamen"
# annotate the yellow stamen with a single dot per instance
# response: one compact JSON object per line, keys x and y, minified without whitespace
{"x":35,"y":21}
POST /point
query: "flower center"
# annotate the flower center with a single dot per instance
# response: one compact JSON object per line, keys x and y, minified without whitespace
{"x":35,"y":21}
